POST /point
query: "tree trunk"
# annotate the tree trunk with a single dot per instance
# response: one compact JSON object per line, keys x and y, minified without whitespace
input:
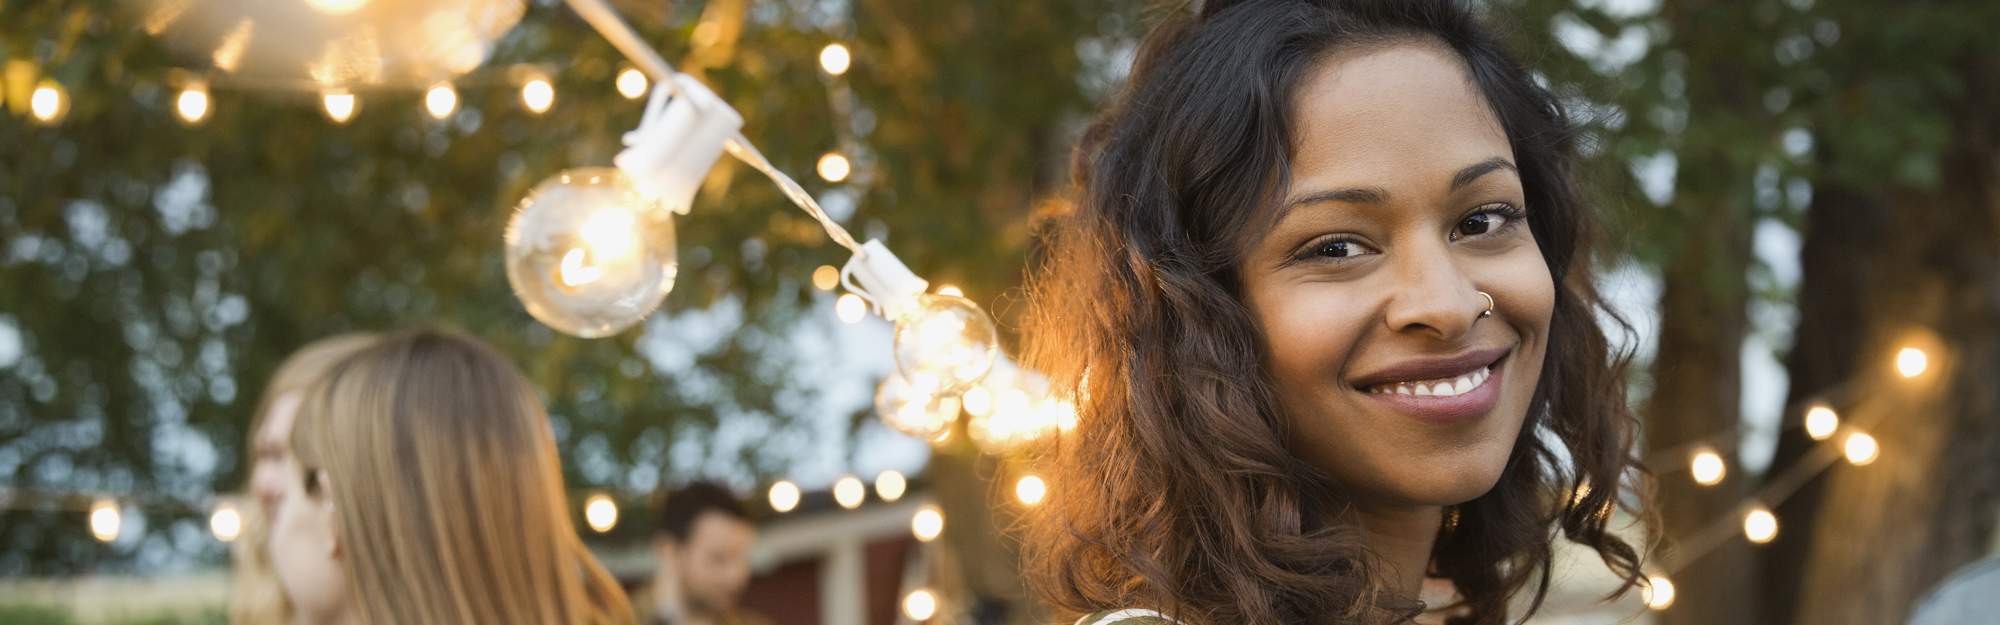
{"x":1889,"y":531}
{"x":1824,"y":354}
{"x":1697,"y":375}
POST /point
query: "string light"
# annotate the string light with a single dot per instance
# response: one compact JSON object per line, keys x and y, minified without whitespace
{"x":1658,"y":593}
{"x":834,"y":167}
{"x":1860,"y":448}
{"x":539,"y":95}
{"x":1911,"y":362}
{"x":48,"y":102}
{"x":928,"y":523}
{"x":950,"y":290}
{"x":632,"y":84}
{"x":848,"y":492}
{"x":340,"y":105}
{"x":835,"y":59}
{"x":337,"y":7}
{"x":601,"y":513}
{"x":591,"y":251}
{"x":1707,"y":467}
{"x":1760,"y":526}
{"x":1821,"y":421}
{"x":441,"y":100}
{"x":784,"y":496}
{"x":1030,"y":490}
{"x":588,"y":254}
{"x":225,"y":522}
{"x":826,"y":277}
{"x":978,"y":401}
{"x":849,"y":308}
{"x":192,"y":103}
{"x":104,"y":520}
{"x":920,"y":605}
{"x":916,"y":410}
{"x":889,"y":485}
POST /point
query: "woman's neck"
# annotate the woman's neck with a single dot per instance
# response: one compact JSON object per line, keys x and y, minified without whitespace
{"x":1403,"y":536}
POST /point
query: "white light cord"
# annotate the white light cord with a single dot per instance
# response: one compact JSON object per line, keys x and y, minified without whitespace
{"x":603,"y":18}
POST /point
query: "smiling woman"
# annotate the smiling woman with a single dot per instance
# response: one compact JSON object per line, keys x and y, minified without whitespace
{"x":1326,"y":309}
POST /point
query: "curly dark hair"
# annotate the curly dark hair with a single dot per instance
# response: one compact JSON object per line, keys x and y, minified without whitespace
{"x":1176,"y":491}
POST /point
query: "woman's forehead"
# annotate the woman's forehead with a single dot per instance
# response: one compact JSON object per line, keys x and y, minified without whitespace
{"x":1400,"y":115}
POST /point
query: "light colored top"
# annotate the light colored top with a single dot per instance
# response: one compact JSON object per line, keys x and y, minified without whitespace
{"x":1970,"y":596}
{"x":1126,"y":617}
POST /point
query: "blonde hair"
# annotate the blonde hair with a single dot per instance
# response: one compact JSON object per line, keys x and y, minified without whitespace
{"x":447,"y":490}
{"x":256,"y":598}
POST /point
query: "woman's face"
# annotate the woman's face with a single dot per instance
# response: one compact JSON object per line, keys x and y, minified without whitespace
{"x":1404,"y":207}
{"x":272,"y":452}
{"x":305,"y":549}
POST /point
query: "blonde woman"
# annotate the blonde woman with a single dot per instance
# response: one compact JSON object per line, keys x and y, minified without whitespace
{"x":424,"y":489}
{"x":256,"y":598}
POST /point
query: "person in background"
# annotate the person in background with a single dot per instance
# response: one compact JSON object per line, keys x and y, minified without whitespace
{"x":702,"y":540}
{"x":255,"y":598}
{"x":424,"y":489}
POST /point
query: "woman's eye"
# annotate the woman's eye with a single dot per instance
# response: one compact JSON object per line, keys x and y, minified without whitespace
{"x":1483,"y":223}
{"x":1340,"y":249}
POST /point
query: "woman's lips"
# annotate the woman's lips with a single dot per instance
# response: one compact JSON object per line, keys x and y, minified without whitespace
{"x":1449,"y":408}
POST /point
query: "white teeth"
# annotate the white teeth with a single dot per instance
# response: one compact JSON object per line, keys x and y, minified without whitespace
{"x":1439,"y":388}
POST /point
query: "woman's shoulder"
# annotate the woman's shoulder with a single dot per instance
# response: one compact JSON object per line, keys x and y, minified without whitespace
{"x":1126,"y":617}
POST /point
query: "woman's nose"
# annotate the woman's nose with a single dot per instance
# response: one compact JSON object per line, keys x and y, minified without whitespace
{"x":1432,"y":296}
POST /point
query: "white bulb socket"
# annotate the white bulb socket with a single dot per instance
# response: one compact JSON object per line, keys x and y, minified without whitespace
{"x":882,"y":278}
{"x":678,"y":140}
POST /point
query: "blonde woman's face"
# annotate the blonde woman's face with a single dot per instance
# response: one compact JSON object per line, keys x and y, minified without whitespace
{"x":272,"y":453}
{"x":305,"y":549}
{"x":1405,"y":206}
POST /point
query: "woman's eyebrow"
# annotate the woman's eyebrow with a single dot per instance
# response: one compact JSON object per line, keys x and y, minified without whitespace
{"x":1469,"y":174}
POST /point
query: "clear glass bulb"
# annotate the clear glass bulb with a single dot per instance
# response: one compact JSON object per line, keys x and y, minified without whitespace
{"x":944,"y":343}
{"x":588,"y":254}
{"x":912,"y":410}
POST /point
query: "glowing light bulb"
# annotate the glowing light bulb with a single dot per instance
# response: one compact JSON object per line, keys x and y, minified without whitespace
{"x":601,"y":513}
{"x":340,"y":105}
{"x":848,"y":492}
{"x":1658,"y":593}
{"x":1760,"y":526}
{"x":1707,"y":467}
{"x":849,"y":308}
{"x":47,"y":101}
{"x":826,"y":277}
{"x":928,"y":523}
{"x":784,"y":496}
{"x":337,"y":7}
{"x":835,"y":59}
{"x":225,"y":522}
{"x":834,"y":167}
{"x":916,"y":409}
{"x":1030,"y":490}
{"x":890,"y":485}
{"x":588,"y":254}
{"x":1911,"y":362}
{"x":104,"y":520}
{"x":946,"y":338}
{"x":950,"y":290}
{"x":192,"y":103}
{"x":539,"y":95}
{"x":1821,"y":421}
{"x":920,"y":605}
{"x":441,"y":101}
{"x":1860,"y":448}
{"x":978,"y":401}
{"x":632,"y":84}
